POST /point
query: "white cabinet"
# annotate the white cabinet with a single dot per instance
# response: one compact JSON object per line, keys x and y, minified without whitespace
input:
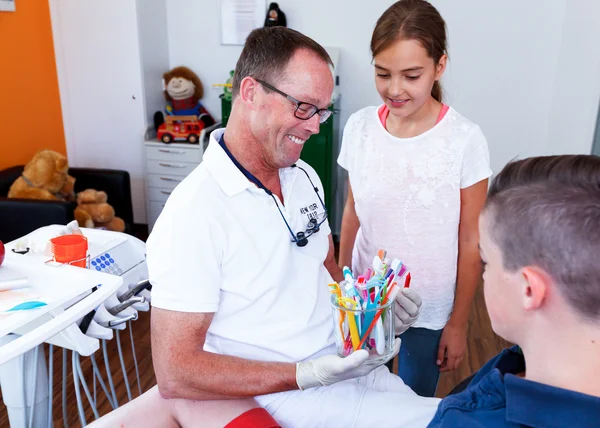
{"x":166,"y":166}
{"x":110,"y":57}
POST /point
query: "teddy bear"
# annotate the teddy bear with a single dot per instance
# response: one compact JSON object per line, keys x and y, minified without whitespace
{"x":45,"y":177}
{"x":93,"y":202}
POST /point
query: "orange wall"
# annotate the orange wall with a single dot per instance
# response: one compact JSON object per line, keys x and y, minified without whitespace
{"x":30,"y":112}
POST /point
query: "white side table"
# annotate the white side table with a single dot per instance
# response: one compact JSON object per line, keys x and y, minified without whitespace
{"x":166,"y":166}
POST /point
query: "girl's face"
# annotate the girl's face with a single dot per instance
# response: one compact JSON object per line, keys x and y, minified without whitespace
{"x":404,"y":76}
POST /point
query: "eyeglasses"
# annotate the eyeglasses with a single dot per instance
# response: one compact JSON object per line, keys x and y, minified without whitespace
{"x":314,"y":224}
{"x":304,"y":110}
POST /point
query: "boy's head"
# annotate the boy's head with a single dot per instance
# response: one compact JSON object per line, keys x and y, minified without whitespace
{"x":540,"y":239}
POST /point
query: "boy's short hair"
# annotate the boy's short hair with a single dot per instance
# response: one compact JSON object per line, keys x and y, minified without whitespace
{"x":267,"y":52}
{"x":545,"y":212}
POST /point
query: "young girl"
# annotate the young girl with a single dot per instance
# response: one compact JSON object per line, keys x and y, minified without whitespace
{"x":418,"y":174}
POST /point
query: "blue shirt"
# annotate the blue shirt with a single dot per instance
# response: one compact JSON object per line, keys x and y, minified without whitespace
{"x":497,"y":398}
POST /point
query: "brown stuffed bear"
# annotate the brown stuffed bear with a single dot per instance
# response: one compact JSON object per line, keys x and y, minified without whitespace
{"x":46,"y":177}
{"x":93,"y":202}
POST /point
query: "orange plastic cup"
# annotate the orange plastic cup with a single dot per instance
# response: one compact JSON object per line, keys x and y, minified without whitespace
{"x":71,"y":249}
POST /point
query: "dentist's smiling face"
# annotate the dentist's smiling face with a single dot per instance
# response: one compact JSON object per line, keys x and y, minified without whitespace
{"x":404,"y":76}
{"x":307,"y":78}
{"x":180,"y":88}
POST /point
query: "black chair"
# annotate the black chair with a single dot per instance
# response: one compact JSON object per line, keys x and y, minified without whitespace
{"x":18,"y":217}
{"x":462,"y":385}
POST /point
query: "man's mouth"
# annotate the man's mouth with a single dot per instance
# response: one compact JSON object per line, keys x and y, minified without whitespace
{"x":295,"y":139}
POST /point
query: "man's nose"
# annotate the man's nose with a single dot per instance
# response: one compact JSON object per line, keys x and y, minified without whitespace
{"x":313,"y":124}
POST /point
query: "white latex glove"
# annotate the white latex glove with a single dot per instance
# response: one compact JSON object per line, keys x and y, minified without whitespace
{"x":330,"y":369}
{"x":407,"y":308}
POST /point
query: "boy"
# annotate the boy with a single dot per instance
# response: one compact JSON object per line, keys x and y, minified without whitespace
{"x":539,"y":243}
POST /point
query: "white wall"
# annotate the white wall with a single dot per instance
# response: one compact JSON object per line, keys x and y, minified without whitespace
{"x":154,"y":52}
{"x":110,"y":56}
{"x":577,"y":81}
{"x":101,"y":91}
{"x":194,"y":41}
{"x":525,"y":71}
{"x":503,"y":59}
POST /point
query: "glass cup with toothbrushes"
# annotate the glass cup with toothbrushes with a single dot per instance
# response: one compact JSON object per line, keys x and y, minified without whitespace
{"x":363,"y":308}
{"x":370,"y":328}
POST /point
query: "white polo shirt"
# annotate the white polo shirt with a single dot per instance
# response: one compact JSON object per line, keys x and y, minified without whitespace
{"x":220,"y":245}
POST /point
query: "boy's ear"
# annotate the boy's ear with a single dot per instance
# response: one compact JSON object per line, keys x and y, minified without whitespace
{"x":536,"y":283}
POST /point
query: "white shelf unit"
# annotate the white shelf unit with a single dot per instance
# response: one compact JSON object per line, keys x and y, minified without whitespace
{"x":166,"y":166}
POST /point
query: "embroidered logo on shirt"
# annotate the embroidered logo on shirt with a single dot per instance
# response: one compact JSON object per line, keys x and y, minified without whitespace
{"x":310,"y":211}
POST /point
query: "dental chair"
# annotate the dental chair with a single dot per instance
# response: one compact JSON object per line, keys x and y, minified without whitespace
{"x":150,"y":410}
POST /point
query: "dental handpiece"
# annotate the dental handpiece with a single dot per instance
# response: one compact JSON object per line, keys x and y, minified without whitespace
{"x":114,"y":323}
{"x":87,"y":319}
{"x":142,"y":285}
{"x":124,"y":305}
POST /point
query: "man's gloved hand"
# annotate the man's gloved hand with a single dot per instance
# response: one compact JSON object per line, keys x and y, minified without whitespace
{"x":407,"y":308}
{"x":330,"y":369}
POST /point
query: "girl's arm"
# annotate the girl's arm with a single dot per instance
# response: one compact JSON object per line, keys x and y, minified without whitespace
{"x":350,"y":225}
{"x":330,"y":264}
{"x":469,"y":262}
{"x":454,"y":338}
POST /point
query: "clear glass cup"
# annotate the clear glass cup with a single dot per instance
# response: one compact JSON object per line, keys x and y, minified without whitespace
{"x":356,"y":328}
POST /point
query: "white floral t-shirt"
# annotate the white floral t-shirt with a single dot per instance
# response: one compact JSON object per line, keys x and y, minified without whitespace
{"x":407,"y":198}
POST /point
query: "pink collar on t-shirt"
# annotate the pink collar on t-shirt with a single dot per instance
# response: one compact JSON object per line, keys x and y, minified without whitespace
{"x":384,"y":111}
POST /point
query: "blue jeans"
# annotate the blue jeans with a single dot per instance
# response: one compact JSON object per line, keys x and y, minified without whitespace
{"x":416,"y":360}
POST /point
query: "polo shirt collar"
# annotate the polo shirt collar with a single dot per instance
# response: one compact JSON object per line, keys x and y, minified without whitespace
{"x":217,"y":162}
{"x":229,"y":176}
{"x":534,"y":404}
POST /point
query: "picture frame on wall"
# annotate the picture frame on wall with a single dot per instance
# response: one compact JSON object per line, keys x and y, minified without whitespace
{"x":238,"y":18}
{"x":7,"y":5}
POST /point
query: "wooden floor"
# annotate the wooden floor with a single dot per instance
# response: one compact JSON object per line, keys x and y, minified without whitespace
{"x":482,"y":345}
{"x":141,"y":333}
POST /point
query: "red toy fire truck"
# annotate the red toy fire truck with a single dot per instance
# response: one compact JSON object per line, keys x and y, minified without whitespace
{"x":180,"y":128}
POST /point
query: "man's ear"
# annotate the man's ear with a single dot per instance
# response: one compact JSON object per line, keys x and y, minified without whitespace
{"x":536,"y":283}
{"x":248,"y":88}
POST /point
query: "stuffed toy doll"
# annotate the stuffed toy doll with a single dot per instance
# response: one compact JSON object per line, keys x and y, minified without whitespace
{"x":275,"y":17}
{"x":183,"y":91}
